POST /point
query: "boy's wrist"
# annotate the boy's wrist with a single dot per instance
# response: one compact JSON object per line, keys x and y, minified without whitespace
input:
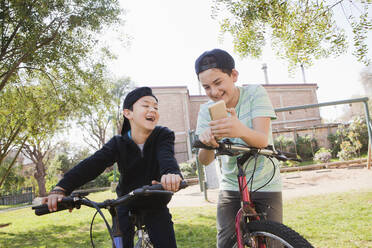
{"x":57,"y":191}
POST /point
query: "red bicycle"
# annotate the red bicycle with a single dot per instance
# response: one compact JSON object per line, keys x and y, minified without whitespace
{"x":250,"y":229}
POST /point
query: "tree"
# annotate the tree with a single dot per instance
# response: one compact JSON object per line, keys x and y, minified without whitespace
{"x":36,"y":112}
{"x":39,"y":151}
{"x":50,"y":35}
{"x":98,"y":118}
{"x":300,"y":30}
{"x":52,"y":43}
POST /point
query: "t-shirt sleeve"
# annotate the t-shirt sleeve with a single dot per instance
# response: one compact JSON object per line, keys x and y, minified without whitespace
{"x":203,"y":119}
{"x":261,"y":104}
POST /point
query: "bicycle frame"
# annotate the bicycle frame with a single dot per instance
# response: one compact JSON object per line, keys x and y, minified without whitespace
{"x":248,"y":209}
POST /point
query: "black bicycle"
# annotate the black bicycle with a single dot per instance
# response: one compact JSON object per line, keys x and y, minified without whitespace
{"x":138,"y":201}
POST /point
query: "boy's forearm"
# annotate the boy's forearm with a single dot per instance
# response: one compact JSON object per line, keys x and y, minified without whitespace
{"x":206,"y":156}
{"x":254,"y":138}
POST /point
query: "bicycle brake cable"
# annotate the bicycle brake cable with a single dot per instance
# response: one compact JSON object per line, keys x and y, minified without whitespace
{"x":274,"y":170}
{"x":104,"y":219}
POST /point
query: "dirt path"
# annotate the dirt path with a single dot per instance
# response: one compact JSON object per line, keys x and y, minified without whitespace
{"x":295,"y":184}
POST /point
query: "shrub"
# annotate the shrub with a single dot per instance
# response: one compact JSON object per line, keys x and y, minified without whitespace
{"x":323,"y":155}
{"x":335,"y":141}
{"x":101,"y":181}
{"x":348,"y":151}
{"x":188,"y":169}
{"x":284,"y":144}
{"x":306,"y":147}
{"x":352,"y":139}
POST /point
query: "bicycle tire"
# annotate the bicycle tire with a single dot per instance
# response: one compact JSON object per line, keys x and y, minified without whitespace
{"x":269,"y":231}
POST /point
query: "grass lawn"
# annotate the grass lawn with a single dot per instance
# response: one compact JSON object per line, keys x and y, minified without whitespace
{"x":335,"y":220}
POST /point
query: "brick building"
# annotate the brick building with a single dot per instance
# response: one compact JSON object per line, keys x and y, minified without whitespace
{"x":179,"y":111}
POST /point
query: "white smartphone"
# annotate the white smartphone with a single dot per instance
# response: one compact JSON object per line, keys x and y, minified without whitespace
{"x":218,"y":110}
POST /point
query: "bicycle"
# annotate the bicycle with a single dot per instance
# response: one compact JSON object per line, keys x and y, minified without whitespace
{"x":250,"y":229}
{"x":138,"y":201}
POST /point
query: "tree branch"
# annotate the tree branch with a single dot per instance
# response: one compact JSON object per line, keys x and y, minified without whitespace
{"x":13,"y":162}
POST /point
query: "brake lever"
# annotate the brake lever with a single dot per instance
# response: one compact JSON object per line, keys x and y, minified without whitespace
{"x":223,"y":148}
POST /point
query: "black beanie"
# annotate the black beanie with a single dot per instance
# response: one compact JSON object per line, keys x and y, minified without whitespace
{"x":131,"y":99}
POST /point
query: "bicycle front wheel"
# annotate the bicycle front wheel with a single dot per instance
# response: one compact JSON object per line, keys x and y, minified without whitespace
{"x":271,"y":234}
{"x":144,"y":241}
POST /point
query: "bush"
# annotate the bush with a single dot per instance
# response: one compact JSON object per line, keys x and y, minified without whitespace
{"x":306,"y":147}
{"x":350,"y":140}
{"x":323,"y":155}
{"x":102,"y":180}
{"x":348,"y":151}
{"x":189,"y":169}
{"x":335,"y":142}
{"x":284,"y":144}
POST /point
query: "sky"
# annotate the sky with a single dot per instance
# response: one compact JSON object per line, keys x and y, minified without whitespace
{"x":168,"y":35}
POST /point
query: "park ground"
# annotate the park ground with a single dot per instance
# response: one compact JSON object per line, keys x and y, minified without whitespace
{"x":295,"y":184}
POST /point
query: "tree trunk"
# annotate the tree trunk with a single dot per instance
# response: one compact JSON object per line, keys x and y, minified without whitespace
{"x":40,"y":177}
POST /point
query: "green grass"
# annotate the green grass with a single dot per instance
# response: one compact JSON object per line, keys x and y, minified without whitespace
{"x":335,"y":220}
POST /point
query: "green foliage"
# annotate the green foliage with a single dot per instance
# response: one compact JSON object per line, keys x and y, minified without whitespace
{"x":189,"y":169}
{"x":350,"y":140}
{"x":47,"y":36}
{"x":323,"y":155}
{"x":103,"y":180}
{"x":335,"y":141}
{"x":348,"y":151}
{"x":306,"y":147}
{"x":284,"y":144}
{"x":301,"y":31}
{"x":14,"y":181}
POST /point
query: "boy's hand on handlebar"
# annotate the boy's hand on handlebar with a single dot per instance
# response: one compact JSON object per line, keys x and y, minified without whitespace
{"x":170,"y":182}
{"x":208,"y":139}
{"x":52,"y":200}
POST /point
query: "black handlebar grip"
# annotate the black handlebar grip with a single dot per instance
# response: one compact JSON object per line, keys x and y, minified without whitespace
{"x":183,"y":185}
{"x":66,"y":203}
{"x":199,"y":144}
{"x":41,"y":209}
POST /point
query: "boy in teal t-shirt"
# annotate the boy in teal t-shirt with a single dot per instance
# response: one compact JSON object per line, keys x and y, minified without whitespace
{"x":249,"y":122}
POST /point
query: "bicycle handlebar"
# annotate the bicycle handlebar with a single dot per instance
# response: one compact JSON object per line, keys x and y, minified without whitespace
{"x":75,"y":200}
{"x":226,"y":147}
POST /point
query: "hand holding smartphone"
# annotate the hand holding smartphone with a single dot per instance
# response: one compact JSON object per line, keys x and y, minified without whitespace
{"x":218,"y":110}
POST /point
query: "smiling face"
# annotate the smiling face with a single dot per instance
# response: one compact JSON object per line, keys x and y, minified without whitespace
{"x":145,"y":114}
{"x":220,"y":86}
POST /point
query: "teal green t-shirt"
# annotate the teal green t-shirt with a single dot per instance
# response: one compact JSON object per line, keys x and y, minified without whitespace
{"x":253,"y":102}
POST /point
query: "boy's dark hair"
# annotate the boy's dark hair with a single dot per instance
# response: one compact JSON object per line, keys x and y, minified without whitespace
{"x":215,"y":58}
{"x":131,"y":99}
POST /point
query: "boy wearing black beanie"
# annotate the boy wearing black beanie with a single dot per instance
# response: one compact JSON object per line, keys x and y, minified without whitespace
{"x":144,"y":153}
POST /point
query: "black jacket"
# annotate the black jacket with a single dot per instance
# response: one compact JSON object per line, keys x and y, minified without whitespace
{"x":136,"y":168}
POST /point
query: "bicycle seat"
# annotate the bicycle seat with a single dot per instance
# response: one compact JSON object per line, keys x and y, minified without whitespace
{"x":150,"y":200}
